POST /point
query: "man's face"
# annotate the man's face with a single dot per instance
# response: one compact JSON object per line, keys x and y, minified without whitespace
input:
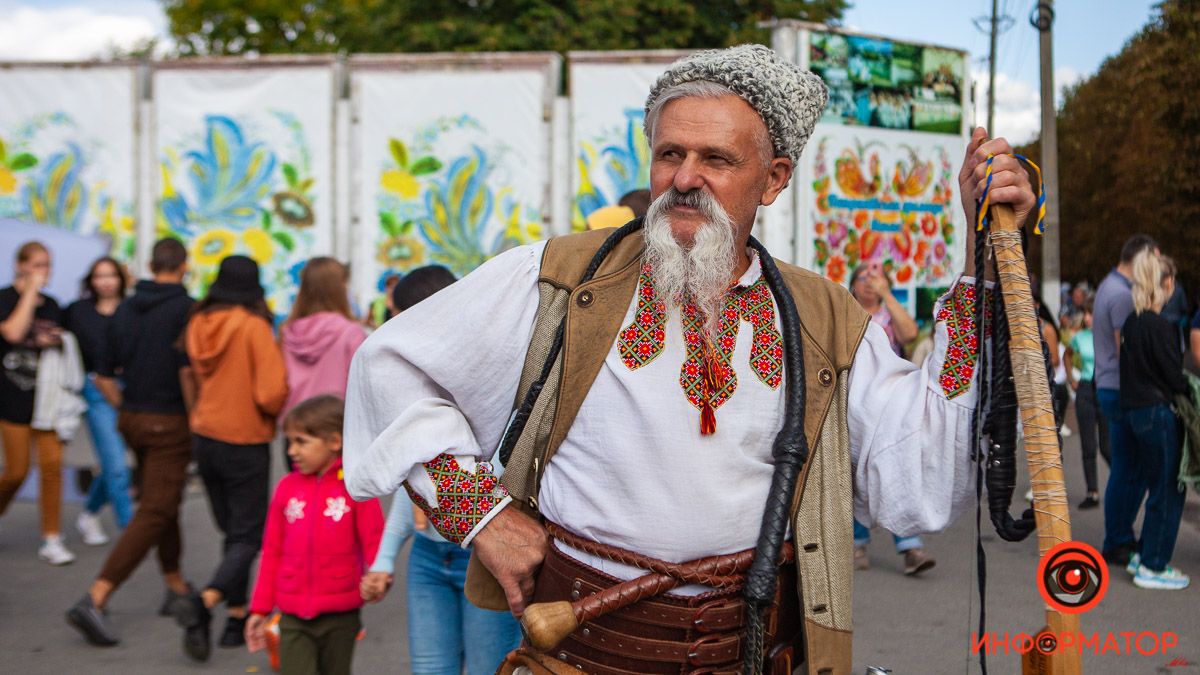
{"x":711,"y":144}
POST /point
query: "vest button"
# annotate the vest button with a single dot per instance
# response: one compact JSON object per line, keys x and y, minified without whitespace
{"x":585,"y":299}
{"x":825,"y":376}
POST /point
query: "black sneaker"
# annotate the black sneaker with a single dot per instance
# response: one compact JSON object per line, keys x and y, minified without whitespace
{"x":1119,"y":555}
{"x":235,"y":632}
{"x":1090,"y":503}
{"x":170,"y":598}
{"x":92,"y":622}
{"x":194,"y":618}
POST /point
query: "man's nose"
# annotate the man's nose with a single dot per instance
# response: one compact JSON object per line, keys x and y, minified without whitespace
{"x":688,"y":177}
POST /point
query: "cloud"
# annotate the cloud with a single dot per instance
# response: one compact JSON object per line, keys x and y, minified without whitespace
{"x":1065,"y":76}
{"x":1019,"y":103}
{"x":71,"y":33}
{"x":1018,"y":107}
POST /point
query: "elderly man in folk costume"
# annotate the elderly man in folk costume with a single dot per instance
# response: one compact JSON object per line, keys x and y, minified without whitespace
{"x":696,"y":423}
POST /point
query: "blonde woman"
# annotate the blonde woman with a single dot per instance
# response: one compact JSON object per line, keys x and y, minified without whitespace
{"x":1151,"y":374}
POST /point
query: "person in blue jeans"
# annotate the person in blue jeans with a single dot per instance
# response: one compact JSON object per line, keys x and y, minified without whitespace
{"x":1151,"y":375}
{"x":445,"y":631}
{"x":90,"y":318}
{"x":1126,"y":488}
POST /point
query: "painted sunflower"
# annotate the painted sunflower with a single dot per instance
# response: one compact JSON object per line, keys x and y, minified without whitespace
{"x":259,"y":243}
{"x":293,"y":208}
{"x":400,"y":252}
{"x":213,"y":246}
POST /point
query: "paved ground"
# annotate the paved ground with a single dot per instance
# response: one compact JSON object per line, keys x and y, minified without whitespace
{"x":920,"y":625}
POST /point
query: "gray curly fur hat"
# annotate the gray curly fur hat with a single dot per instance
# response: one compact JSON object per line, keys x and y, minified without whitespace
{"x":789,"y":98}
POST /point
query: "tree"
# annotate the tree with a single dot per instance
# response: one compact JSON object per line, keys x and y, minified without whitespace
{"x":229,"y":27}
{"x":1129,"y":150}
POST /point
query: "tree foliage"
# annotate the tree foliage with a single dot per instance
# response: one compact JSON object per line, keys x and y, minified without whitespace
{"x":227,"y":27}
{"x":1129,"y":150}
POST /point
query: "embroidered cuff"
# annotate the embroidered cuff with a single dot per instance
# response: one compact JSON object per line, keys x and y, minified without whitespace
{"x":962,"y":344}
{"x":464,"y":500}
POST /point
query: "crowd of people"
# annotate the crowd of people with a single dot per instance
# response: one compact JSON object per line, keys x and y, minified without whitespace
{"x":211,"y":384}
{"x":204,"y":388}
{"x":1127,"y":340}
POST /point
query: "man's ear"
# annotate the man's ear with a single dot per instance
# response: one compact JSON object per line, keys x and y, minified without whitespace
{"x":779,"y":174}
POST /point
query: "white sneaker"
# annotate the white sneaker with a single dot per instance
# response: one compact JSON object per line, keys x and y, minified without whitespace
{"x":1065,"y":431}
{"x":1029,"y":496}
{"x":1170,"y":579}
{"x":1135,"y":561}
{"x":53,"y":551}
{"x":92,"y":530}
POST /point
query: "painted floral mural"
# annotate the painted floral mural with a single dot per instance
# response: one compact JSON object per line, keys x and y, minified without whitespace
{"x":445,"y":207}
{"x":611,"y":166}
{"x":47,"y":175}
{"x":897,"y":212}
{"x":228,"y":192}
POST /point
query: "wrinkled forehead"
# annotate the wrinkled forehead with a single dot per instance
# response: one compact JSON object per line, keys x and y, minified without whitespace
{"x":699,"y":122}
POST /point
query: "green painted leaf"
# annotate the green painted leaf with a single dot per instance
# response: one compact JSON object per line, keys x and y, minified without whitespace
{"x":387,"y":221}
{"x":425,"y":165}
{"x":290,"y":174}
{"x":406,"y":226}
{"x":3,"y":151}
{"x":399,"y":152}
{"x":22,"y":161}
{"x":266,"y":219}
{"x":285,"y":240}
{"x":305,"y":184}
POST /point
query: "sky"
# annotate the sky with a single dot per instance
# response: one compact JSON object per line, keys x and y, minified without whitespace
{"x":1086,"y":32}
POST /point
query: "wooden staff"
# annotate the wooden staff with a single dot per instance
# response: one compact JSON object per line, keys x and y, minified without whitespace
{"x":1037,"y":419}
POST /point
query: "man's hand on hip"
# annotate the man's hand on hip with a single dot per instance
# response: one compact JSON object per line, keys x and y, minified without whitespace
{"x":512,"y":546}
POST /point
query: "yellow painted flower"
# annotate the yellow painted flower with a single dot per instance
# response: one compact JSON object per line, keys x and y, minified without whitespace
{"x":400,"y":182}
{"x":400,"y":252}
{"x":213,"y":246}
{"x":8,"y":181}
{"x":260,"y":245}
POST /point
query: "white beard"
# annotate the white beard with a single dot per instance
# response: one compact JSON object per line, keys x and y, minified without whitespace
{"x":701,"y":272}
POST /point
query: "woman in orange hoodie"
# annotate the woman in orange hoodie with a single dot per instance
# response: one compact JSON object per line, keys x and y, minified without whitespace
{"x":241,"y":387}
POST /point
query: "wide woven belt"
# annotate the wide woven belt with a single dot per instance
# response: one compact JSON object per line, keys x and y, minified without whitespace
{"x":662,"y":634}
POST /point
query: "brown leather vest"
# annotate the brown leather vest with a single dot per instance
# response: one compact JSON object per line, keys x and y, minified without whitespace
{"x":833,"y":324}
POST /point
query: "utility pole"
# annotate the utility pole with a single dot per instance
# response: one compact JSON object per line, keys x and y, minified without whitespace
{"x":996,"y":24}
{"x":1043,"y":20}
{"x":992,"y":74}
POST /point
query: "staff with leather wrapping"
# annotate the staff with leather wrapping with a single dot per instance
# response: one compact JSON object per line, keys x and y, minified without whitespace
{"x":688,"y":427}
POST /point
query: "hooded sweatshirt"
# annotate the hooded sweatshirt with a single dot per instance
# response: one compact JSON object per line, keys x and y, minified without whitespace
{"x":317,"y":544}
{"x":317,"y":350}
{"x":143,"y":348}
{"x":240,"y":372}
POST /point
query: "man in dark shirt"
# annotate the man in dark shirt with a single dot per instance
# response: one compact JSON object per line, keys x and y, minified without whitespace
{"x":144,"y":352}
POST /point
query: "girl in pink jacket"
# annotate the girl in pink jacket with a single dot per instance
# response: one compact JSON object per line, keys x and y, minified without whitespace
{"x":317,"y":546}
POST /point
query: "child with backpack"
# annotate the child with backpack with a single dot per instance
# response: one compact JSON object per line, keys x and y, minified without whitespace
{"x":317,"y":546}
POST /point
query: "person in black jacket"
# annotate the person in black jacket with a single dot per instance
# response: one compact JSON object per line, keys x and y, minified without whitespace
{"x":1151,"y":363}
{"x":146,"y":354}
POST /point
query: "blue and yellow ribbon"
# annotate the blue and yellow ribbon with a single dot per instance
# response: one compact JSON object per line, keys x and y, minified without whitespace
{"x":981,"y":208}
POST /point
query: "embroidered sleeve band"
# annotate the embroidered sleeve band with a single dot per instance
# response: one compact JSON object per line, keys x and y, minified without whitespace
{"x":463,"y":499}
{"x":962,"y":346}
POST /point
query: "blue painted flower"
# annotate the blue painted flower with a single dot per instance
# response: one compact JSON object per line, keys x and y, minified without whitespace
{"x":458,"y":210}
{"x":56,"y":195}
{"x":229,"y":176}
{"x":628,"y":164}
